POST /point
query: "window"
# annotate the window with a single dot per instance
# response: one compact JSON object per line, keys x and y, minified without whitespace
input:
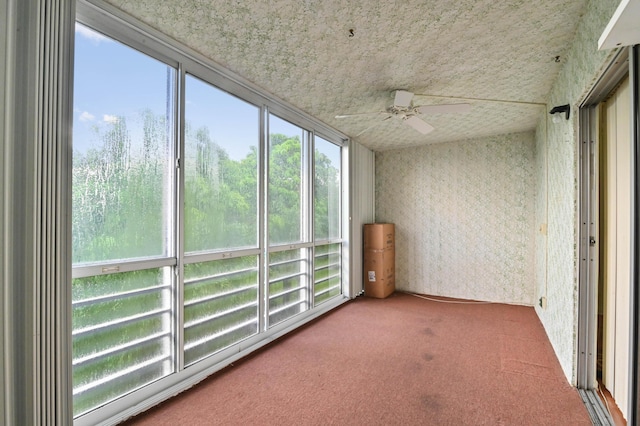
{"x":288,"y":259}
{"x":203,"y":223}
{"x":123,"y":220}
{"x":222,"y":136}
{"x":327,"y":213}
{"x":122,"y":150}
{"x":286,"y":181}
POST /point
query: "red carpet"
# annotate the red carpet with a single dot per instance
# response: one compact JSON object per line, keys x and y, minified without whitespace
{"x":397,"y":361}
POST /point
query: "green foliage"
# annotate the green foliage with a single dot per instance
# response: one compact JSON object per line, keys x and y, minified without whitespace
{"x":285,"y":190}
{"x":119,"y":210}
{"x":326,"y":198}
{"x":122,"y":202}
{"x":221,"y":209}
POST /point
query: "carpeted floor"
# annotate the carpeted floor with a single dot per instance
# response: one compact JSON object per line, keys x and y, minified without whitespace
{"x":396,"y":361}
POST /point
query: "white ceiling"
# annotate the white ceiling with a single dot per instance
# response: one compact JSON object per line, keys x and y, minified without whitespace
{"x":302,"y":51}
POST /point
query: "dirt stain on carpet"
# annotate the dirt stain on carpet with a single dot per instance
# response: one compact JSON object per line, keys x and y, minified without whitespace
{"x":430,"y":403}
{"x":427,"y":357}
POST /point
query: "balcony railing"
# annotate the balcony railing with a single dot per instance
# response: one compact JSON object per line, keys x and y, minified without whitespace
{"x":123,"y":339}
{"x":327,"y":282}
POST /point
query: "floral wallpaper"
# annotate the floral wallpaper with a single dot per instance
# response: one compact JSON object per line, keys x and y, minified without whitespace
{"x":559,"y":145}
{"x":464,"y":215}
{"x":541,"y":204}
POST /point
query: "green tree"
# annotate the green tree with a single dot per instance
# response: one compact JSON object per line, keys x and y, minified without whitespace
{"x":112,"y":184}
{"x":220,"y":195}
{"x":285,"y":190}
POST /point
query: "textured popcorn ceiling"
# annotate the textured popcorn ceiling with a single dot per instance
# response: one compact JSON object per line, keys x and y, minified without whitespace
{"x":301,"y":51}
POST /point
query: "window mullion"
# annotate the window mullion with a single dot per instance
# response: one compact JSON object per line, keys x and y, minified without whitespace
{"x":310,"y":175}
{"x":263,"y":220}
{"x":306,"y":215}
{"x":179,"y":238}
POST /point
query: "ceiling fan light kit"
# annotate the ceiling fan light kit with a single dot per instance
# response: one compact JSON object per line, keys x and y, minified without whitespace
{"x":402,"y":98}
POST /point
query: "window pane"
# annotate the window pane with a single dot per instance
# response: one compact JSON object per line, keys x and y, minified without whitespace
{"x":287,"y":284}
{"x":327,"y":273}
{"x":221,"y":169}
{"x":285,"y":181}
{"x":121,"y":334}
{"x":221,"y":305}
{"x":122,"y":151}
{"x":326,"y":190}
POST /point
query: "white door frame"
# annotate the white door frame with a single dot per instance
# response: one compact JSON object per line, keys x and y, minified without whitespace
{"x":634,"y":358}
{"x":625,"y":62}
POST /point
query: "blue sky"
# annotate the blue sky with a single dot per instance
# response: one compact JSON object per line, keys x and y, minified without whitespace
{"x":105,"y":88}
{"x":113,"y":80}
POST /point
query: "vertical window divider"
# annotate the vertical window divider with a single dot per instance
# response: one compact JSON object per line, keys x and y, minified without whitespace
{"x":263,"y":227}
{"x":306,"y":213}
{"x":345,"y":218}
{"x":179,"y":287}
{"x":312,"y":211}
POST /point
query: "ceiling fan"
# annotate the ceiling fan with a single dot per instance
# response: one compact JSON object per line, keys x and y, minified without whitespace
{"x":403,"y":109}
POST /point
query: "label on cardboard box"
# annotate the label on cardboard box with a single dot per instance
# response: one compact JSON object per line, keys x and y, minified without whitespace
{"x":379,"y":273}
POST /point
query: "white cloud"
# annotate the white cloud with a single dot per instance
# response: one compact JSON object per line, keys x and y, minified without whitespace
{"x":89,"y":34}
{"x":87,"y":116}
{"x":110,"y":118}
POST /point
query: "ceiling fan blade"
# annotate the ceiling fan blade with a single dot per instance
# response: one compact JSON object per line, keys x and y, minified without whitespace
{"x":372,"y":126}
{"x":418,"y":124}
{"x":359,"y":114}
{"x":403,"y":98}
{"x":443,"y":109}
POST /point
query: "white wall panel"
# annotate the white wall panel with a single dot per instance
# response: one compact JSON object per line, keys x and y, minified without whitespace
{"x":541,"y":207}
{"x":362,"y":161}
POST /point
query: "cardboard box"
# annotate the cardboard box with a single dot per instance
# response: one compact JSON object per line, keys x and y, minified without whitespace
{"x":379,"y":273}
{"x":379,"y":236}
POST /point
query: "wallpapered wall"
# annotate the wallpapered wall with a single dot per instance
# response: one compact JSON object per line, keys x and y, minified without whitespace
{"x":558,"y":265}
{"x":464,"y":215}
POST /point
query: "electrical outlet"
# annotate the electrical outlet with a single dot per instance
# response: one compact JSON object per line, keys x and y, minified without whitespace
{"x":543,"y":302}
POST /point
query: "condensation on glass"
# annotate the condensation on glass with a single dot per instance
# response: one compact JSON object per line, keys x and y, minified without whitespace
{"x":221,"y":169}
{"x":123,"y":197}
